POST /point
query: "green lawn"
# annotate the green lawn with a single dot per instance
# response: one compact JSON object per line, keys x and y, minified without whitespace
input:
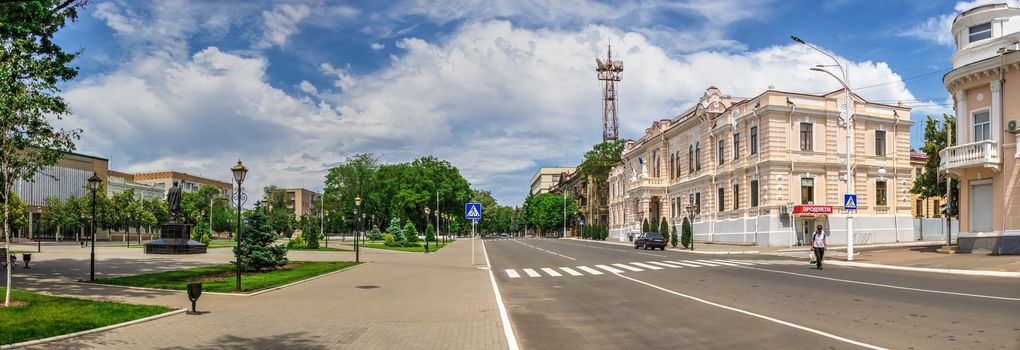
{"x":213,"y":244}
{"x":41,"y":316}
{"x":322,"y":249}
{"x":433,"y":246}
{"x":221,"y":278}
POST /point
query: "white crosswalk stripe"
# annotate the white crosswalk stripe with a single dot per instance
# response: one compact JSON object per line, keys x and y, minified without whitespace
{"x":512,"y":273}
{"x":664,"y":264}
{"x":532,"y":273}
{"x":590,"y":270}
{"x":551,"y":272}
{"x":628,"y":267}
{"x":571,"y":271}
{"x":738,"y":262}
{"x":701,"y":263}
{"x":647,"y":266}
{"x":718,"y":262}
{"x":683,"y":263}
{"x":610,"y":269}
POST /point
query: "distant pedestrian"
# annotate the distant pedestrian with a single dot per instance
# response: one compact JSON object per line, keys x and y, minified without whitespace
{"x":630,"y":237}
{"x":818,"y":243}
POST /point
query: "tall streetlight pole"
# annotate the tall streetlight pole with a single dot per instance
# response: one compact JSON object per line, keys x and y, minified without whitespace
{"x":357,"y":225}
{"x":846,"y":113}
{"x":425,"y":228}
{"x":94,"y":183}
{"x":239,"y":172}
{"x":321,"y":224}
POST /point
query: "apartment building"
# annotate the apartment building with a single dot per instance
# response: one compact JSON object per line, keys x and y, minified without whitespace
{"x":545,"y":178}
{"x":984,"y":158}
{"x":189,"y":183}
{"x":767,"y":170}
{"x":302,"y":201}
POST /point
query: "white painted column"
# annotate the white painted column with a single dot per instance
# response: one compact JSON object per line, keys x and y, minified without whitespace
{"x":996,"y":116}
{"x":963,"y":122}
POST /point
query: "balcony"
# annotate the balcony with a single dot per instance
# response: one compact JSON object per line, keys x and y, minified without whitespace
{"x":957,"y":159}
{"x":649,"y":182}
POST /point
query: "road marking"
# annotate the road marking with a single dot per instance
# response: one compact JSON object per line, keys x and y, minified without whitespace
{"x":701,"y":263}
{"x":647,"y":266}
{"x":551,"y":272}
{"x":736,"y":262}
{"x":664,"y":264}
{"x":512,"y":273}
{"x":547,"y":251}
{"x":504,"y":317}
{"x":571,"y":271}
{"x":628,"y":267}
{"x":887,"y":285}
{"x":532,"y":273}
{"x":767,"y":318}
{"x":683,"y":263}
{"x":717,"y":262}
{"x":610,"y":269}
{"x":590,"y":270}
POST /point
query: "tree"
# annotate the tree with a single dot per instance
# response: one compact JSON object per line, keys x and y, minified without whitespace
{"x":545,"y":211}
{"x":281,"y":219}
{"x":664,"y":229}
{"x":930,"y":184}
{"x":310,"y":231}
{"x":645,"y":227}
{"x":257,"y":251}
{"x":687,"y":233}
{"x":15,"y":211}
{"x":602,"y":158}
{"x":673,"y":237}
{"x":430,"y":234}
{"x":410,"y":234}
{"x":355,"y":177}
{"x":395,"y":230}
{"x":31,"y":67}
{"x":374,"y":234}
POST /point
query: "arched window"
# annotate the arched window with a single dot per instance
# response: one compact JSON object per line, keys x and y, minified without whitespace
{"x":672,"y":169}
{"x":679,"y":169}
{"x":690,"y":160}
{"x":697,"y":155}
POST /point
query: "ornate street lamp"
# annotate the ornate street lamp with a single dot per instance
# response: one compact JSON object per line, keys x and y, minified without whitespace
{"x":357,"y":229}
{"x":425,"y":228}
{"x":94,"y":183}
{"x":239,"y":172}
{"x":692,"y":210}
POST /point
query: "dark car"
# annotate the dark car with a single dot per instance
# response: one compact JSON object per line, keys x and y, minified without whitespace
{"x":650,"y":240}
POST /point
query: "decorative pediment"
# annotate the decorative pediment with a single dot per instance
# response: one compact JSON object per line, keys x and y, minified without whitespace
{"x":713,"y":101}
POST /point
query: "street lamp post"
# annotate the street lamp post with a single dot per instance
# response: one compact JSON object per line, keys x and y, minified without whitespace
{"x":692,"y":210}
{"x":845,"y":113}
{"x":239,"y":172}
{"x":425,"y":229}
{"x":357,"y":227}
{"x":322,"y":226}
{"x":94,"y":183}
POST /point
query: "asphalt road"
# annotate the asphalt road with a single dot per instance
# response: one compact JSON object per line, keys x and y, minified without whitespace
{"x":565,"y":294}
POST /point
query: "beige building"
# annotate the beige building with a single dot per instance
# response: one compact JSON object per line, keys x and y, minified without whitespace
{"x":924,"y":207}
{"x":984,"y":159}
{"x":120,"y":182}
{"x":592,"y":201}
{"x":546,"y":178}
{"x":302,"y":201}
{"x":766,"y":170}
{"x":164,"y":180}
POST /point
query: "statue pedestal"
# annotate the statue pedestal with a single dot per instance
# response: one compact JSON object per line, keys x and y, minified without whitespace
{"x":175,"y":239}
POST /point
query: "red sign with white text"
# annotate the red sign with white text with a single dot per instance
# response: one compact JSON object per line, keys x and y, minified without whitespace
{"x":812,"y":209}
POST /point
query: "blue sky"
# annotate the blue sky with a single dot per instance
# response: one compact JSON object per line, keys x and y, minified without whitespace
{"x":500,"y":88}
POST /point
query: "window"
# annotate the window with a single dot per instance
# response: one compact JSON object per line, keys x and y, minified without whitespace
{"x":980,"y":32}
{"x":690,"y":160}
{"x":672,"y":169}
{"x":697,"y":201}
{"x":880,"y":194}
{"x":736,"y":146}
{"x":556,"y":178}
{"x":937,"y":208}
{"x":981,"y":126}
{"x":722,"y":198}
{"x":880,"y":143}
{"x":754,"y":193}
{"x":722,"y":151}
{"x":919,"y":170}
{"x":679,"y":169}
{"x":697,"y":155}
{"x":807,"y":191}
{"x":754,"y":140}
{"x":806,"y":136}
{"x":920,"y":208}
{"x":736,"y":197}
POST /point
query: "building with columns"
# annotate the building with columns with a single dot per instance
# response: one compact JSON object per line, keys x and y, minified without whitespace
{"x":984,"y":157}
{"x":766,"y":170}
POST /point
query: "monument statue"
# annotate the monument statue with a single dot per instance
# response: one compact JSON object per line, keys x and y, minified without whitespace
{"x":173,"y":204}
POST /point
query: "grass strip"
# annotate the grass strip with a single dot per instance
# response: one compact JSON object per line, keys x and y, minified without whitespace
{"x":418,"y":249}
{"x":36,"y":316}
{"x":221,"y":278}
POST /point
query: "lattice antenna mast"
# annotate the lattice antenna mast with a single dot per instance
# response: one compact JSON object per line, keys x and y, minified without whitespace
{"x":609,"y":72}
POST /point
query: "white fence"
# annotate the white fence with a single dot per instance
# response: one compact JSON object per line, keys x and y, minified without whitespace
{"x":934,"y":229}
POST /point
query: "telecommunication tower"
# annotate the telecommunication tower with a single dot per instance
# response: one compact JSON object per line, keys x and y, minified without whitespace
{"x":609,"y":72}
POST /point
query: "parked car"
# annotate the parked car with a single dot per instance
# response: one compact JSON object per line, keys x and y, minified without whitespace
{"x":650,"y":240}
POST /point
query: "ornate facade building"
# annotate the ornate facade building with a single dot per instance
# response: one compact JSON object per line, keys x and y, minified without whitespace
{"x":768,"y":169}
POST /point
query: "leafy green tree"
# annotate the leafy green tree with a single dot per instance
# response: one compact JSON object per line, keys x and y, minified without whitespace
{"x":32,"y":67}
{"x":281,"y":219}
{"x":673,"y":237}
{"x":645,"y":227}
{"x":930,"y":184}
{"x":355,"y":177}
{"x":687,"y":233}
{"x":545,"y":212}
{"x":310,"y":231}
{"x":410,"y":234}
{"x":257,"y":251}
{"x":374,"y":234}
{"x":602,"y":158}
{"x":430,"y":233}
{"x":15,"y":211}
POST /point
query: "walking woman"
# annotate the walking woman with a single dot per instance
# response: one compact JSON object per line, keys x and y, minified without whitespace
{"x":818,"y":243}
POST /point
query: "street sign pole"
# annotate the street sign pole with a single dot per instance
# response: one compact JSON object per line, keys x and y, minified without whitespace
{"x":473,"y":223}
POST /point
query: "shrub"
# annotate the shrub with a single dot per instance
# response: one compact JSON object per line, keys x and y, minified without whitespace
{"x":673,"y":237}
{"x":257,"y":250}
{"x":394,"y":228}
{"x":664,"y":229}
{"x":296,"y":242}
{"x":687,"y":233}
{"x":410,"y":233}
{"x":388,"y":238}
{"x":645,"y":227}
{"x":430,"y":233}
{"x":204,"y":239}
{"x":374,"y":234}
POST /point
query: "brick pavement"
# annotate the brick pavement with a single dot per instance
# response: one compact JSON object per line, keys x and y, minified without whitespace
{"x":435,"y":301}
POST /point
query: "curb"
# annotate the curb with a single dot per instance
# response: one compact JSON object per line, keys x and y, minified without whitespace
{"x":90,"y":331}
{"x":927,"y":269}
{"x":881,"y":245}
{"x":228,"y":294}
{"x":677,"y":249}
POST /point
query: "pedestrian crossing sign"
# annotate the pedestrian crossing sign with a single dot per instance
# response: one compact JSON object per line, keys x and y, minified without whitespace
{"x":473,"y":211}
{"x":850,"y":202}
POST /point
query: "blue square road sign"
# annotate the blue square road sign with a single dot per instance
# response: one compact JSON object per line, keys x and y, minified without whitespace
{"x":473,"y":211}
{"x":850,"y":202}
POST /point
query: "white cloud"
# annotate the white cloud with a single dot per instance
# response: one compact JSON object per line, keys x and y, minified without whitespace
{"x":308,"y":87}
{"x":377,"y":46}
{"x":937,"y":29}
{"x":280,"y":23}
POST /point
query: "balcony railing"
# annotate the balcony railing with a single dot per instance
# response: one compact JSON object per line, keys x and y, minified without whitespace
{"x":977,"y":154}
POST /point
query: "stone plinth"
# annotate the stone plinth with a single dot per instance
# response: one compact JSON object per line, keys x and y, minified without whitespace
{"x":175,"y":239}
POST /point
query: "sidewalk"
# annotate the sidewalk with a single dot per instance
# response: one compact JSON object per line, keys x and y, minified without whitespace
{"x":699,"y":247}
{"x":394,"y":301}
{"x":925,"y":258}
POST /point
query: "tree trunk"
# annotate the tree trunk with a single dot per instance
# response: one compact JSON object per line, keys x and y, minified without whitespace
{"x":7,"y":244}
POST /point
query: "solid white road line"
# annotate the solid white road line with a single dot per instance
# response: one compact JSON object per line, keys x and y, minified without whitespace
{"x":718,"y":262}
{"x":701,"y":263}
{"x":508,"y":329}
{"x":512,"y":273}
{"x":683,"y":263}
{"x":767,"y":318}
{"x":888,"y":286}
{"x":647,"y":266}
{"x":571,"y":271}
{"x":628,"y":267}
{"x":551,"y":272}
{"x":738,"y":262}
{"x":590,"y":270}
{"x":547,"y":251}
{"x":665,"y":264}
{"x":532,"y":273}
{"x":610,"y":269}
